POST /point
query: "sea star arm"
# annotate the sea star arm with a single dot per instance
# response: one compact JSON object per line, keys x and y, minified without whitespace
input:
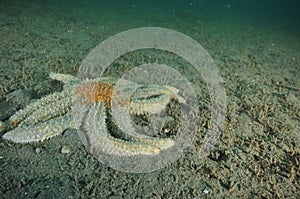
{"x":99,"y":140}
{"x":41,"y":131}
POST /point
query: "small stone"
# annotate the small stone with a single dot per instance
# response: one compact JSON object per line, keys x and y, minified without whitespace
{"x":38,"y":150}
{"x":65,"y":150}
{"x":205,"y":191}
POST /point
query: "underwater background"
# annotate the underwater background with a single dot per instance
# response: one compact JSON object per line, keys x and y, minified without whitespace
{"x":256,"y":48}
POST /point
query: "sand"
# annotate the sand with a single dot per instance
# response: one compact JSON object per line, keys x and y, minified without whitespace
{"x":257,"y":156}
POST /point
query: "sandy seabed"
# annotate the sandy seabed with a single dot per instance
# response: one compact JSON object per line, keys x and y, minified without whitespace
{"x":257,"y":156}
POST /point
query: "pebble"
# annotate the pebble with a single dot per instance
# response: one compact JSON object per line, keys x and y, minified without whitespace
{"x":38,"y":150}
{"x":65,"y":150}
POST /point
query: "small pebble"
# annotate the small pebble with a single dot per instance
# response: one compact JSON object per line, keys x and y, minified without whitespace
{"x":65,"y":150}
{"x":205,"y":191}
{"x":38,"y":150}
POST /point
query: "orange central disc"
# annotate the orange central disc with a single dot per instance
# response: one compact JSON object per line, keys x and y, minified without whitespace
{"x":94,"y":92}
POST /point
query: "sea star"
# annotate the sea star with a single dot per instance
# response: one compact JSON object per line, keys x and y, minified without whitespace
{"x":52,"y":114}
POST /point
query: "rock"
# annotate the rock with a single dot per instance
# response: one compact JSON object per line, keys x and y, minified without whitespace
{"x":38,"y":150}
{"x":65,"y":150}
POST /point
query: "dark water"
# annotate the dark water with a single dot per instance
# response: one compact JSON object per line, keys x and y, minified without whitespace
{"x":282,"y":14}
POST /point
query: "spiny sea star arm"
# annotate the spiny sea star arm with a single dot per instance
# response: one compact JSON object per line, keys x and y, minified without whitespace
{"x":152,"y":99}
{"x":50,"y":106}
{"x":124,"y":122}
{"x":100,"y":141}
{"x":65,"y":78}
{"x":41,"y":131}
